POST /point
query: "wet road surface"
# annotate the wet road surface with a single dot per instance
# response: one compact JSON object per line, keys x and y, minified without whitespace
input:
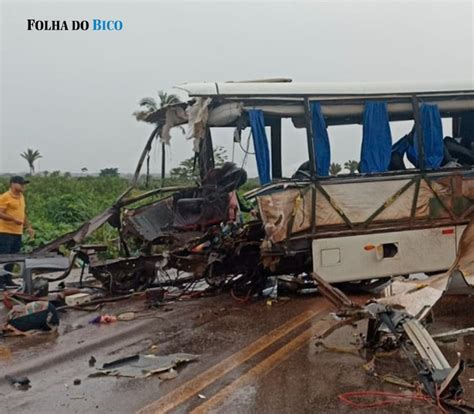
{"x":254,"y":358}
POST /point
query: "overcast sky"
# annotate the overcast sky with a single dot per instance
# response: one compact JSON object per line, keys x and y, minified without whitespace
{"x":71,"y":95}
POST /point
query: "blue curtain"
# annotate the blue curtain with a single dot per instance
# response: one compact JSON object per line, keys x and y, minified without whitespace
{"x":401,"y":146}
{"x":320,"y":140}
{"x":260,"y":143}
{"x":376,"y":139}
{"x":433,"y":139}
{"x":432,"y":136}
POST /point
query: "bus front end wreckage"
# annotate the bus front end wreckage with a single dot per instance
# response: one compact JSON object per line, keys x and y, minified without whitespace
{"x":384,"y":221}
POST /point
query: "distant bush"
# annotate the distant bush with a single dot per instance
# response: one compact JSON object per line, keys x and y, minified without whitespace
{"x":109,"y":172}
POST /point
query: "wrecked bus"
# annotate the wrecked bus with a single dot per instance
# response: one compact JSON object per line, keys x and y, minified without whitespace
{"x":386,"y":219}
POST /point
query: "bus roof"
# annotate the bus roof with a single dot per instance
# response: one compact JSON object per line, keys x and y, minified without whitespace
{"x":284,"y":88}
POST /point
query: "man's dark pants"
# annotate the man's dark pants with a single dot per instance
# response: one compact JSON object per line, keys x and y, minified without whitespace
{"x":9,"y":244}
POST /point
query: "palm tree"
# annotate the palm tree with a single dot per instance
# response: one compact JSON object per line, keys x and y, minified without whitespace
{"x":31,"y":156}
{"x":352,"y":166}
{"x":150,"y":105}
{"x":335,"y":168}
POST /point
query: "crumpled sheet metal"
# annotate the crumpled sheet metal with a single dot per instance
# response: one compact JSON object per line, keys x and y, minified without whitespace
{"x":418,"y":297}
{"x":147,"y":365}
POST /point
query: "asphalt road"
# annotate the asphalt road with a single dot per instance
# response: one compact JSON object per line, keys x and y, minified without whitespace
{"x":253,"y":358}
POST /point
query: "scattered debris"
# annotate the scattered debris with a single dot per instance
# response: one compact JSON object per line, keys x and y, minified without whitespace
{"x":393,"y":379}
{"x":103,"y":319}
{"x":452,"y":336}
{"x":78,"y":299}
{"x":34,"y":316}
{"x":126,"y":316}
{"x":168,"y":375}
{"x":120,"y":361}
{"x":5,"y":352}
{"x":143,"y":366}
{"x":396,"y":328}
{"x":92,"y":361}
{"x":21,"y":383}
{"x":154,"y":295}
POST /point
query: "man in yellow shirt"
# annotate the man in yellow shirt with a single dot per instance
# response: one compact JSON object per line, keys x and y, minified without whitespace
{"x":13,"y":220}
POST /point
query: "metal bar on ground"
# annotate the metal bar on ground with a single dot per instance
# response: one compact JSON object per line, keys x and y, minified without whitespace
{"x":332,"y":294}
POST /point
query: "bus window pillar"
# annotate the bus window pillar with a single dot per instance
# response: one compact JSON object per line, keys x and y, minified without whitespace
{"x":419,"y":132}
{"x":275,"y":125}
{"x":309,"y":136}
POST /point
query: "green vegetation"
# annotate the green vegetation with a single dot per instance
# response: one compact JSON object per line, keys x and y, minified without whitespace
{"x":188,"y":169}
{"x":335,"y":168}
{"x":59,"y":203}
{"x":109,"y":172}
{"x":352,"y":166}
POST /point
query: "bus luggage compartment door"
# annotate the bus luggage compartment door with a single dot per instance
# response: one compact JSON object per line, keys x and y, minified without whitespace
{"x":369,"y":256}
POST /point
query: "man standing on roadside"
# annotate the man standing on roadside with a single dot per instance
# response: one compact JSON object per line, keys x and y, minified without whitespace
{"x":13,"y":220}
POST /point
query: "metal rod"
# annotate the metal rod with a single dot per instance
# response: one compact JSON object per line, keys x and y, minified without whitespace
{"x":136,"y":175}
{"x":309,"y":136}
{"x":419,"y":132}
{"x":313,"y":208}
{"x":389,"y":202}
{"x":438,"y":197}
{"x":150,"y":193}
{"x":276,"y":148}
{"x":163,"y":164}
{"x":147,"y":178}
{"x":334,"y":205}
{"x":415,"y":198}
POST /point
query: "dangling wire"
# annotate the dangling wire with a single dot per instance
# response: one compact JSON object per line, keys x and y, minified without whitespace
{"x":246,"y":150}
